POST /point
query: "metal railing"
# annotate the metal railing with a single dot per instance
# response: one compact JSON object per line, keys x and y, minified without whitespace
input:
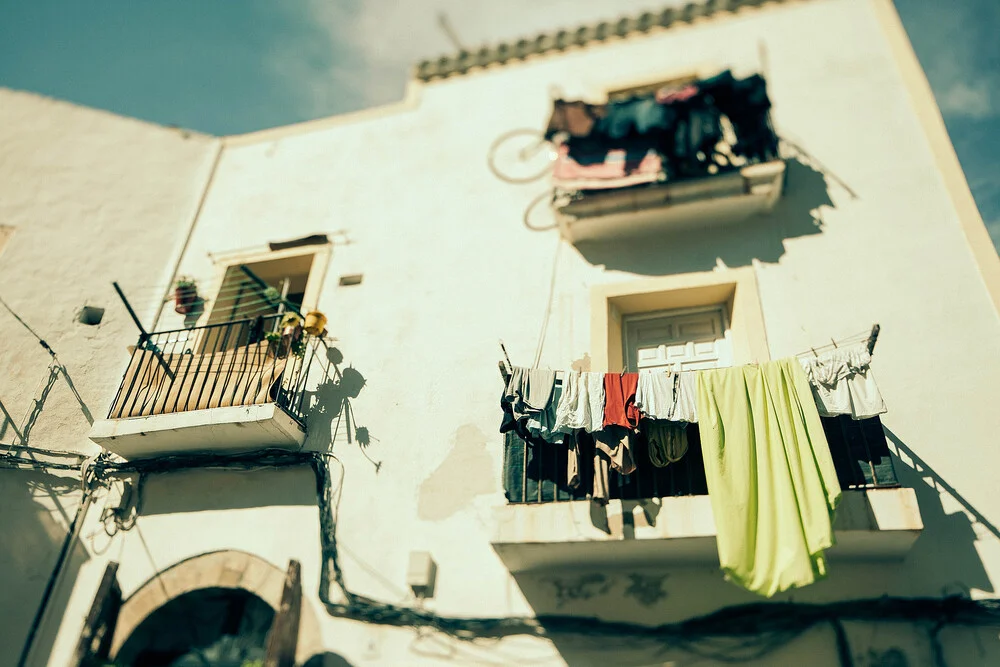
{"x":537,"y":472}
{"x":242,"y":362}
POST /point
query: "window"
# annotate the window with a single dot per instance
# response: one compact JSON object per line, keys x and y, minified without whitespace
{"x":296,"y":274}
{"x":677,"y":340}
{"x":701,"y":320}
{"x":240,"y":297}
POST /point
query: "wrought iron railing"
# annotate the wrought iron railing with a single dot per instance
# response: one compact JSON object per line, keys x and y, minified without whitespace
{"x":537,"y":472}
{"x":243,"y":362}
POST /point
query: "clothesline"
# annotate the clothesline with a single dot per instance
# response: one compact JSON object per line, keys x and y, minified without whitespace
{"x":868,"y":337}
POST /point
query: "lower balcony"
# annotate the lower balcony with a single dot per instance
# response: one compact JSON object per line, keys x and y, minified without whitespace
{"x":235,"y":386}
{"x":664,"y":515}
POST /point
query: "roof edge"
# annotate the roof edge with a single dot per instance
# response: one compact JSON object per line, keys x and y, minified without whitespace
{"x":561,"y":40}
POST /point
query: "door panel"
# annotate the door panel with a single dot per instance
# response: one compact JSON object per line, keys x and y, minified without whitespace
{"x":684,"y":341}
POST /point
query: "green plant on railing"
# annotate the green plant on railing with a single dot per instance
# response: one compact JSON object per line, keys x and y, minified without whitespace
{"x":272,"y":296}
{"x":296,"y":346}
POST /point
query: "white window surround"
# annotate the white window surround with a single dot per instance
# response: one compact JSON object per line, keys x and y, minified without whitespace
{"x":317,"y":272}
{"x":732,"y":290}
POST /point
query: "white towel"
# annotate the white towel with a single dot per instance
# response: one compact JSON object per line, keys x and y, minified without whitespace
{"x":843,"y":384}
{"x":654,"y":395}
{"x":582,"y":402}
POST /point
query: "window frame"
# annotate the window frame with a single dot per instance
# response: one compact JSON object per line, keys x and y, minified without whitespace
{"x":733,"y":289}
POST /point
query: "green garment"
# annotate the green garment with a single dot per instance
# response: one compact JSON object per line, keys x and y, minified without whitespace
{"x":770,"y":475}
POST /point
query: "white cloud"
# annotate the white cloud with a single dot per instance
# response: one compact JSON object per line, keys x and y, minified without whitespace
{"x":963,"y":99}
{"x":371,"y":45}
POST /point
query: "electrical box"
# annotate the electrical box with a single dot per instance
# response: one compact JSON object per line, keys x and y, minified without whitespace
{"x":421,"y":574}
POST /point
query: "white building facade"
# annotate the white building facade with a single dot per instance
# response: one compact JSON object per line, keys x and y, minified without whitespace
{"x":422,"y":257}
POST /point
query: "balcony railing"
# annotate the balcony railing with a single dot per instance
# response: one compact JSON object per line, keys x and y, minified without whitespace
{"x":538,"y":473}
{"x":238,"y":363}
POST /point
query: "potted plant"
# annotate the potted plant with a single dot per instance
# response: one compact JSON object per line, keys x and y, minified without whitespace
{"x":185,"y":295}
{"x":315,"y":323}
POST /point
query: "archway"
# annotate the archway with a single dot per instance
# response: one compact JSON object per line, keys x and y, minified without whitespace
{"x":243,"y":588}
{"x":222,"y":627}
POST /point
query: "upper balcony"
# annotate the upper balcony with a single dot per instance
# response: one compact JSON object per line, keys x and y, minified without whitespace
{"x":681,"y":154}
{"x":234,"y":386}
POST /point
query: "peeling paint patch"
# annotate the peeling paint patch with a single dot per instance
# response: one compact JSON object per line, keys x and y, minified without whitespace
{"x":583,"y":587}
{"x":581,"y":365}
{"x":646,"y":589}
{"x":465,"y":473}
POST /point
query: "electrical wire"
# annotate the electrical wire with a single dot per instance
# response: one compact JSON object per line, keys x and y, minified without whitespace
{"x":28,"y":328}
{"x":731,"y":634}
{"x":548,"y":304}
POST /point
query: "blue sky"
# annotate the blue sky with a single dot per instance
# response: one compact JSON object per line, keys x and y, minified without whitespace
{"x":227,"y":67}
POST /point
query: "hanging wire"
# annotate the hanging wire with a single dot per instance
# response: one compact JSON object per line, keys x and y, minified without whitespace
{"x":548,"y":304}
{"x":28,"y":328}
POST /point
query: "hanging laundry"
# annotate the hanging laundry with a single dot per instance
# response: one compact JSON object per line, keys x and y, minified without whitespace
{"x":572,"y":461}
{"x":667,"y":441}
{"x":654,"y":395}
{"x":602,"y":471}
{"x":615,"y":442}
{"x":582,"y":402}
{"x":771,"y":479}
{"x":637,"y":116}
{"x":529,"y":389}
{"x":528,"y":404}
{"x":673,"y":95}
{"x":542,"y":423}
{"x":843,"y":384}
{"x":609,"y":169}
{"x":685,"y":408}
{"x":577,"y":119}
{"x":619,"y":400}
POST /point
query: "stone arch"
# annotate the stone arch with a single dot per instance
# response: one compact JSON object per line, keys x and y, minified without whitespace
{"x":217,"y":569}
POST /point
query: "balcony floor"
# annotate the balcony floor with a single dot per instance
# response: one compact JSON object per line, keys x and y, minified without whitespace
{"x":216,"y":430}
{"x":870,"y":525}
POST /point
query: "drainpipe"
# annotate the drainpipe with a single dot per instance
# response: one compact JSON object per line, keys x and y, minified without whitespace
{"x":57,"y":575}
{"x":190,"y":232}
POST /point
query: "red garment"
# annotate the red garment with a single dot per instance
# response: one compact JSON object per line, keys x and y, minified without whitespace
{"x":619,"y":400}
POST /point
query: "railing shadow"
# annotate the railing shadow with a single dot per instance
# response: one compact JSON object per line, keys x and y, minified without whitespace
{"x":945,"y":554}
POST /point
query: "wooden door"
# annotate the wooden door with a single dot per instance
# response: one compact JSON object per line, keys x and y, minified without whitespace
{"x":99,"y":626}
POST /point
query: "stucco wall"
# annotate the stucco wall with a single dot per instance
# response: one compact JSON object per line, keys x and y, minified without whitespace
{"x":88,"y":198}
{"x":866,"y":232}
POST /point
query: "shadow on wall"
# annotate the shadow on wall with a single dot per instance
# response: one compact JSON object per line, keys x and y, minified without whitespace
{"x":761,"y":237}
{"x":29,"y":547}
{"x":203,"y":490}
{"x":945,"y":555}
{"x":332,"y":401}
